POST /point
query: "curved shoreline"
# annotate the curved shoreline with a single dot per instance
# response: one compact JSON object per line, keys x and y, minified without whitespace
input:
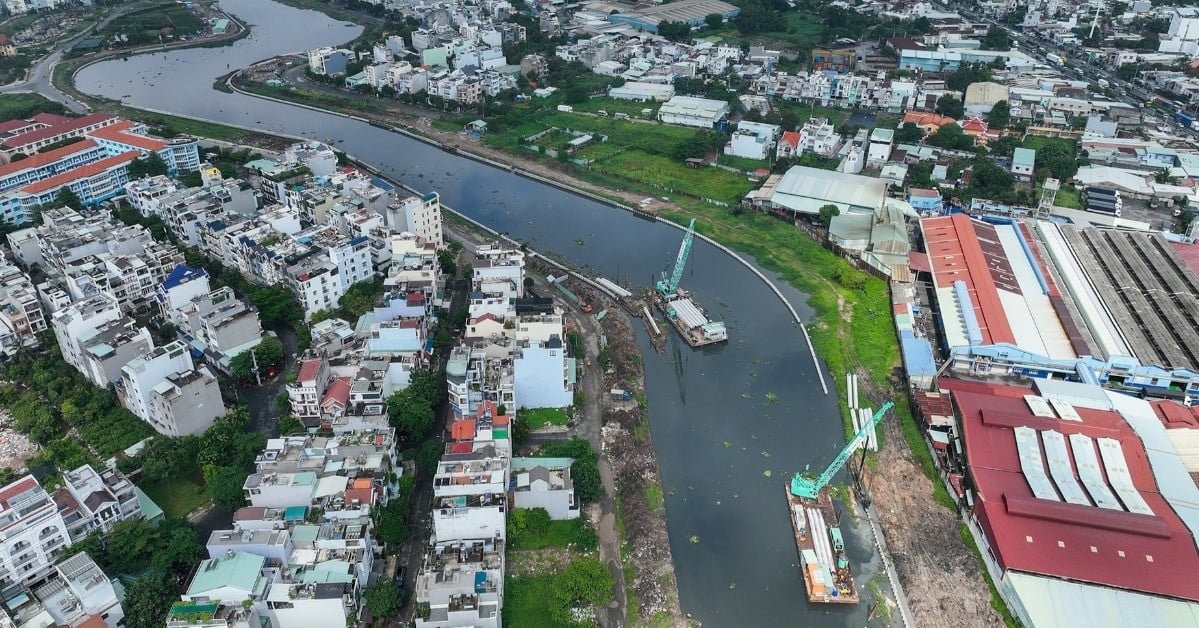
{"x":557,"y":184}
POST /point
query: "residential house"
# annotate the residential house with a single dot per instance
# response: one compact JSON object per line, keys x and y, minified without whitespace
{"x":544,"y":483}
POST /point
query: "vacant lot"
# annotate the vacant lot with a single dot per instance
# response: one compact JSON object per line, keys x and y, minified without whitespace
{"x":713,"y":183}
{"x":541,"y":417}
{"x":178,"y":496}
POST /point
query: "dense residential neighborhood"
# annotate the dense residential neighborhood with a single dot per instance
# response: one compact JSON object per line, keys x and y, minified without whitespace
{"x":261,"y":382}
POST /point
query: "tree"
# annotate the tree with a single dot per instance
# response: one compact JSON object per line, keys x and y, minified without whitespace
{"x":527,"y":524}
{"x":948,"y":105}
{"x":674,"y":31}
{"x":445,"y":259}
{"x":996,"y":39}
{"x":361,"y":298}
{"x":147,"y":601}
{"x":967,"y":74}
{"x":149,"y":166}
{"x":275,"y":303}
{"x":290,"y":425}
{"x":951,"y":136}
{"x":908,"y":133}
{"x":584,"y":471}
{"x":227,"y":488}
{"x":1004,"y":146}
{"x":1128,"y":71}
{"x":585,"y":582}
{"x":1056,"y":160}
{"x":826,"y":214}
{"x":920,"y":174}
{"x":383,"y":599}
{"x":130,"y":546}
{"x":67,"y":197}
{"x":267,"y":353}
{"x":1000,"y":115}
{"x":428,"y":456}
{"x":178,"y":546}
{"x":713,"y":20}
{"x":412,"y":417}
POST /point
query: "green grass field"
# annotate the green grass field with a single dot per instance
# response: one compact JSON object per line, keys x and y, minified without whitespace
{"x":526,"y":602}
{"x":25,"y":105}
{"x":748,"y":165}
{"x":178,"y":496}
{"x":801,"y":31}
{"x":560,"y":533}
{"x":541,"y":417}
{"x":656,"y":170}
{"x":612,"y":105}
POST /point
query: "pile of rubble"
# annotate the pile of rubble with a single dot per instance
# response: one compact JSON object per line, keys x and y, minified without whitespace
{"x":629,"y":449}
{"x":15,"y":447}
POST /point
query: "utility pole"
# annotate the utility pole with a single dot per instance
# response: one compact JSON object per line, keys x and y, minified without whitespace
{"x":254,"y":359}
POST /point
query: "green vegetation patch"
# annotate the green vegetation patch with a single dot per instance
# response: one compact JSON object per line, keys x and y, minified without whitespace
{"x":541,"y":417}
{"x":654,"y":498}
{"x":145,"y":27}
{"x":22,"y":106}
{"x":527,"y":600}
{"x":613,"y":105}
{"x":801,"y":30}
{"x":178,"y":496}
{"x":665,"y":173}
{"x":741,"y":163}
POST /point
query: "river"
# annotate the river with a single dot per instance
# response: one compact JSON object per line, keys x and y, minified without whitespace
{"x":725,"y":451}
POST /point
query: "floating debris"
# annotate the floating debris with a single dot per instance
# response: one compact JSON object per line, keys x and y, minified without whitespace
{"x":768,"y":473}
{"x":766,"y":454}
{"x":694,"y":538}
{"x":727,"y":444}
{"x":771,"y":397}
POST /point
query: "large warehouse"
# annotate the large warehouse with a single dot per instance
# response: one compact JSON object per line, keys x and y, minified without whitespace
{"x":1084,"y":512}
{"x":804,"y":190}
{"x":991,"y":288}
{"x":692,"y":12}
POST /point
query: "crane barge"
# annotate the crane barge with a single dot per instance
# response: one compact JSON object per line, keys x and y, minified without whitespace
{"x":686,"y":315}
{"x":826,"y":570}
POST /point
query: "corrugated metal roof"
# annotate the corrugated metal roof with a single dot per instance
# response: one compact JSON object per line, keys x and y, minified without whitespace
{"x":1056,"y":602}
{"x":801,"y":187}
{"x":1081,"y":543}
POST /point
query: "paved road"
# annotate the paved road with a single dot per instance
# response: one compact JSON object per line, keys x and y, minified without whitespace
{"x":264,"y":410}
{"x":38,"y":78}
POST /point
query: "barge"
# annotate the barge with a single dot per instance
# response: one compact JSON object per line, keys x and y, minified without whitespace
{"x":690,"y":320}
{"x":827,"y":575}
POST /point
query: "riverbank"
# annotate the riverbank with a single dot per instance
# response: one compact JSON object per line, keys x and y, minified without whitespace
{"x":852,"y":330}
{"x":631,"y":519}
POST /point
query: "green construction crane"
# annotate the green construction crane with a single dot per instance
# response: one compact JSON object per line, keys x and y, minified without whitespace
{"x":668,"y":285}
{"x":803,"y":487}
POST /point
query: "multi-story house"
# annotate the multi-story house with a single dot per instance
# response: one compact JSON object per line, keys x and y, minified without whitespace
{"x":21,"y":313}
{"x":470,"y":493}
{"x":77,"y":323}
{"x":91,"y":500}
{"x":419,"y":216}
{"x":498,"y":271}
{"x":544,"y":483}
{"x":543,"y":376}
{"x":306,"y":391}
{"x":461,"y":584}
{"x":32,"y":533}
{"x":819,"y":136}
{"x":164,"y":388}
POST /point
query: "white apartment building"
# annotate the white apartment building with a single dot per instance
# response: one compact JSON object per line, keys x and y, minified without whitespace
{"x":418,"y":216}
{"x":164,"y":388}
{"x":470,"y":495}
{"x":462,"y":582}
{"x":32,"y":533}
{"x":879,"y":151}
{"x":1183,"y":35}
{"x":543,"y":376}
{"x":499,"y":272}
{"x":78,"y":322}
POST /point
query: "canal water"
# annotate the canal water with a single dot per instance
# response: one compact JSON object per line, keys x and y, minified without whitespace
{"x":730,"y":423}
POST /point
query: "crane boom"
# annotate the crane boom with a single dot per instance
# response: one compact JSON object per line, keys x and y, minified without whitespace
{"x":669,"y":284}
{"x":803,"y":487}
